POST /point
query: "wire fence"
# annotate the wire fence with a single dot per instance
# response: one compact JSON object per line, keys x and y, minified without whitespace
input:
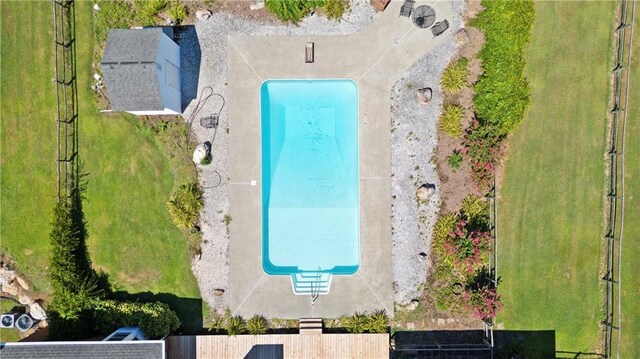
{"x":615,"y":189}
{"x":66,"y":95}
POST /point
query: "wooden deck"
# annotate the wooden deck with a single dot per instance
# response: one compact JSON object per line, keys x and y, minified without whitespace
{"x":279,"y":346}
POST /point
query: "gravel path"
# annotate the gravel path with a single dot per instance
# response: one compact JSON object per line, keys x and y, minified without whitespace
{"x":414,"y":140}
{"x":209,"y":42}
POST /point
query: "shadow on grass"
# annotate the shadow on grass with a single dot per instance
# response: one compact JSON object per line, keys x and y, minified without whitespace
{"x":471,"y":344}
{"x":189,"y":310}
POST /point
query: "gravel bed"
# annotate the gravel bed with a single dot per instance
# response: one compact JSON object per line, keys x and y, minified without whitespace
{"x":208,"y":41}
{"x":413,"y":142}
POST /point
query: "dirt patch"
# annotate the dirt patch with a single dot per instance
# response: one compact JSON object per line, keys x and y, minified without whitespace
{"x":474,"y":7}
{"x":475,"y":70}
{"x":238,"y":9}
{"x":474,"y":43}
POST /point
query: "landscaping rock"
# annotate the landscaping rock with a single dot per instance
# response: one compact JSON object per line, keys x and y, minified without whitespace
{"x":37,"y":312}
{"x":22,"y":283}
{"x":6,"y":276}
{"x":462,"y":37}
{"x":218,"y":292}
{"x":425,"y":192}
{"x":201,"y":152}
{"x":24,"y":299}
{"x":450,"y":320}
{"x":423,"y":255}
{"x":257,"y":6}
{"x":413,"y":304}
{"x":10,"y":288}
{"x":424,"y":95}
{"x":203,"y":14}
{"x":442,"y":321}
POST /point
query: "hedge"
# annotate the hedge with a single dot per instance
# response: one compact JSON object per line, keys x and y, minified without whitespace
{"x":155,"y":319}
{"x":502,"y":92}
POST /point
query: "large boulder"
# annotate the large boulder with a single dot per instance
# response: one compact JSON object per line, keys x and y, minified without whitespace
{"x":6,"y":276}
{"x":424,"y":95}
{"x":201,"y":152}
{"x":10,"y":288}
{"x":462,"y":37}
{"x":425,"y":192}
{"x":203,"y":14}
{"x":22,"y":282}
{"x":37,"y":311}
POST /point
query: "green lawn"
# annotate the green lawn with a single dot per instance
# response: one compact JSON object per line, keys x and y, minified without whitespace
{"x":131,"y":236}
{"x":629,"y":346}
{"x":8,"y":335}
{"x":551,"y":200}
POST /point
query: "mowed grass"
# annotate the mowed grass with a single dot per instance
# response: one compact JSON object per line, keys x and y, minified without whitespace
{"x":551,"y":201}
{"x":131,"y":236}
{"x":630,"y":340}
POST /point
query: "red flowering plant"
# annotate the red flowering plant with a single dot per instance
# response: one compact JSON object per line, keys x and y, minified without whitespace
{"x":467,"y":249}
{"x":483,"y":301}
{"x":482,"y":147}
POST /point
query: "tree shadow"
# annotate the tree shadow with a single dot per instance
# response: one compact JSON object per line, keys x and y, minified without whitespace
{"x":189,"y":310}
{"x":472,"y":344}
{"x":190,"y":57}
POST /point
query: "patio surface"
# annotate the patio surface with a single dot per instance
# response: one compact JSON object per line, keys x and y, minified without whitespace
{"x":375,"y":58}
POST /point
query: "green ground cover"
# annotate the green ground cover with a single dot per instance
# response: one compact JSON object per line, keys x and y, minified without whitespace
{"x":551,"y":200}
{"x":131,"y":236}
{"x":629,"y":347}
{"x":8,"y":335}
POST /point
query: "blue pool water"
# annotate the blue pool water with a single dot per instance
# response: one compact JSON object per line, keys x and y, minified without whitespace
{"x":310,"y":176}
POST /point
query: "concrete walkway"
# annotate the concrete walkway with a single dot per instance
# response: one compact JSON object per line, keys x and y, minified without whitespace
{"x":375,"y":58}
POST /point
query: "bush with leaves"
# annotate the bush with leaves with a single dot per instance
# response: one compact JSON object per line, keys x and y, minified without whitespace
{"x":377,"y":322}
{"x":184,"y":205}
{"x":454,"y":77}
{"x":113,"y":14}
{"x":356,"y":323}
{"x":177,"y":12}
{"x":502,"y":92}
{"x":483,"y":302}
{"x":292,"y":10}
{"x":451,"y":120}
{"x":236,"y":325}
{"x":482,"y":147}
{"x":334,"y":9}
{"x":148,"y":10}
{"x":476,"y":211}
{"x":455,"y":160}
{"x":155,"y":319}
{"x":466,"y":249}
{"x":257,"y":325}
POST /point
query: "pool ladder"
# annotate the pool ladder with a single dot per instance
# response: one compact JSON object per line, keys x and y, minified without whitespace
{"x":313,"y":283}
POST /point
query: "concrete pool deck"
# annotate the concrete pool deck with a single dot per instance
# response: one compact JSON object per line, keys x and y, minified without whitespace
{"x":375,"y":58}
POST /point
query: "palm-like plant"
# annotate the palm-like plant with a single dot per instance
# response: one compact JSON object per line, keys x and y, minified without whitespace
{"x":377,"y":322}
{"x":184,"y":205}
{"x":356,"y":323}
{"x":236,"y":325}
{"x":454,"y":77}
{"x":451,"y":120}
{"x":257,"y":325}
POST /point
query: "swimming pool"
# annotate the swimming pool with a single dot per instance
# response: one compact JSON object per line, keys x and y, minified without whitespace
{"x":310,"y":199}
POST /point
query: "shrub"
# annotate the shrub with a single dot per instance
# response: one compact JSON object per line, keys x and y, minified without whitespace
{"x":236,"y":325}
{"x":451,"y":120}
{"x":482,"y":146}
{"x":257,"y":325}
{"x":455,"y":160}
{"x":334,"y":9}
{"x":476,"y":210}
{"x":184,"y":205}
{"x":502,"y":92}
{"x":177,"y":12}
{"x":454,"y":77}
{"x":356,"y":323}
{"x":484,"y":302}
{"x":377,"y":322}
{"x":155,"y":319}
{"x":467,"y":249}
{"x":113,"y":14}
{"x":292,"y":10}
{"x":147,"y":11}
{"x":444,"y":225}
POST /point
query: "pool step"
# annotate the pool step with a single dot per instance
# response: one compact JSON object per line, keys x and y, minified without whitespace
{"x":310,"y":283}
